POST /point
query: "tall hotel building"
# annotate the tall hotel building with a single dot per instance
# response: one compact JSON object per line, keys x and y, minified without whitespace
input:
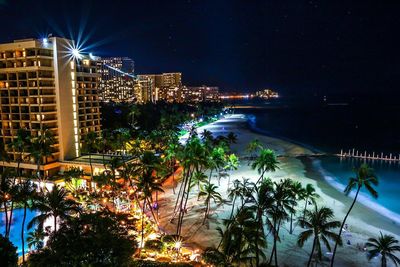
{"x":165,"y":86}
{"x":117,"y":82}
{"x":46,"y":84}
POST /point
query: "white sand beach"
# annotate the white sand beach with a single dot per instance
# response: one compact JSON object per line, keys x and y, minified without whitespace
{"x":297,"y":163}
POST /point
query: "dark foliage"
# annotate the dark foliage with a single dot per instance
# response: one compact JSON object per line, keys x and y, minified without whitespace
{"x":8,"y":252}
{"x":90,"y":240}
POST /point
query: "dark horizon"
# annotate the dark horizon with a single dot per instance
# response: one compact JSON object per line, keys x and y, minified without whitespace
{"x":294,"y":47}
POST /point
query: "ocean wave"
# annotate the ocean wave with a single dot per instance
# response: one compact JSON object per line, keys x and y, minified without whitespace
{"x":362,"y":197}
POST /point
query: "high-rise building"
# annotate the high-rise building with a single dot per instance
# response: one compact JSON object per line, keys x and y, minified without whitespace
{"x":201,"y":94}
{"x":117,"y":82}
{"x":47,"y":84}
{"x":165,"y":86}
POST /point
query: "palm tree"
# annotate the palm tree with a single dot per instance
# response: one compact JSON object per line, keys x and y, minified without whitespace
{"x":239,"y":238}
{"x":266,"y":161}
{"x":279,"y":211}
{"x":146,"y":183}
{"x":42,"y":147}
{"x":261,"y":200}
{"x":53,"y":204}
{"x":254,"y":146}
{"x":198,"y":178}
{"x":209,"y":191}
{"x":216,"y":160}
{"x":6,"y":194}
{"x":35,"y":239}
{"x":366,"y":178}
{"x":193,"y":158}
{"x":308,"y":194}
{"x":318,"y":223}
{"x":207,"y":136}
{"x":170,"y":158}
{"x":26,"y":193}
{"x":90,"y":146}
{"x":387,"y":246}
{"x":297,"y":194}
{"x":231,"y":138}
{"x":231,"y":163}
{"x":20,"y":145}
{"x":4,"y":157}
{"x":234,"y":193}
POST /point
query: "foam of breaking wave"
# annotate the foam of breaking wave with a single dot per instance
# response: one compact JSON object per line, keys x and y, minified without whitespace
{"x":362,"y":197}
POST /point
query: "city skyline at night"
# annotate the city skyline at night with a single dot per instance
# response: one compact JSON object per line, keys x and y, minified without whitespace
{"x":313,"y":47}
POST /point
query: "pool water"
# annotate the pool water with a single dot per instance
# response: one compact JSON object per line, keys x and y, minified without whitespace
{"x":15,"y":233}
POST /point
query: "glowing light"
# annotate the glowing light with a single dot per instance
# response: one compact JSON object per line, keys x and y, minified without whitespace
{"x":45,"y":41}
{"x":152,"y":236}
{"x":178,"y":244}
{"x":76,"y":53}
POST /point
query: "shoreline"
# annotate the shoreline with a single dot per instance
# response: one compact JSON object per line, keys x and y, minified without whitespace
{"x":296,"y":163}
{"x":330,"y":179}
{"x":360,"y":210}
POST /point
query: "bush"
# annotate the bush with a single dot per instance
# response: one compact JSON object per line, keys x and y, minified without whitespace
{"x":144,"y":263}
{"x":8,"y":252}
{"x":89,"y":240}
{"x":154,"y":245}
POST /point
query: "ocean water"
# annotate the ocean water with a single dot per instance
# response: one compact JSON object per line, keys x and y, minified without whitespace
{"x":325,"y":126}
{"x":15,"y":233}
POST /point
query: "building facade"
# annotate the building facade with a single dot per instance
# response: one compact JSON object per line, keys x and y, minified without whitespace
{"x":47,"y":84}
{"x":117,"y":81}
{"x":201,"y":94}
{"x":165,"y":86}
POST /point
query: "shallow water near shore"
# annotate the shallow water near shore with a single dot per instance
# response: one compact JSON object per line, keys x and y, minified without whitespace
{"x":326,"y":129}
{"x":337,"y":171}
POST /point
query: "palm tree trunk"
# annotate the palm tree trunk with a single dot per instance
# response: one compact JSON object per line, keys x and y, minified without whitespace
{"x":259,"y":219}
{"x":55,"y":224}
{"x":152,"y":212}
{"x":383,"y":261}
{"x":177,"y":200}
{"x":206,"y":212}
{"x":173,"y":179}
{"x":341,"y":227}
{"x":185,"y":205}
{"x":273,"y":247}
{"x":305,"y":208}
{"x":6,"y":214}
{"x":312,"y":253}
{"x":209,"y":177}
{"x":22,"y":234}
{"x":291,"y":221}
{"x":10,"y":218}
{"x":261,"y":177}
{"x":233,"y":207}
{"x":91,"y":167}
{"x":181,"y":205}
{"x":144,"y":205}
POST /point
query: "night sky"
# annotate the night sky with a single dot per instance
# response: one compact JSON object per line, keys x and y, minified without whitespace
{"x":295,"y":47}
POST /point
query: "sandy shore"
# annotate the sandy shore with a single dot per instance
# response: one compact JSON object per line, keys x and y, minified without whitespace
{"x":297,"y":163}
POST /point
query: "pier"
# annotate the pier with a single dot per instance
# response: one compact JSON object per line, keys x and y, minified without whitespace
{"x":352,"y":153}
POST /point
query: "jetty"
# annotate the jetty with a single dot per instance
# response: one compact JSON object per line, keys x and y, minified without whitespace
{"x":352,"y":153}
